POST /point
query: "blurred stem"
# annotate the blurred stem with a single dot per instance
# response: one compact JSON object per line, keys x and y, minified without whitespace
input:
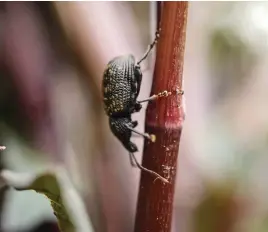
{"x":164,"y":118}
{"x":68,"y":17}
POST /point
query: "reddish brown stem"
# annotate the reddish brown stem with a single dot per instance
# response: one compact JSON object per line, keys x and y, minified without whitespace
{"x":164,"y":118}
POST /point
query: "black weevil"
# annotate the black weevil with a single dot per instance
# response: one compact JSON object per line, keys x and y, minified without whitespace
{"x":120,"y":87}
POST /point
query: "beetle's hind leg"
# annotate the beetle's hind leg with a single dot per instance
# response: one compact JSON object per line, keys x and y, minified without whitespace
{"x":156,"y":96}
{"x":133,"y":158}
{"x":150,"y":47}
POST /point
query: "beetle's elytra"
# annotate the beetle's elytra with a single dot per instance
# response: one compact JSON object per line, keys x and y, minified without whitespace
{"x":120,"y":87}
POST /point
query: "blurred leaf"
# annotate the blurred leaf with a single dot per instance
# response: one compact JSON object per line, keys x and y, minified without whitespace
{"x":231,"y":59}
{"x":218,"y":210}
{"x":54,"y":184}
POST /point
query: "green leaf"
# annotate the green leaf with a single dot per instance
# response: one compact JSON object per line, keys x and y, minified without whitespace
{"x":67,"y":204}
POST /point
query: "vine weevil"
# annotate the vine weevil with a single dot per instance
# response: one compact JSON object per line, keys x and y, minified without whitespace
{"x":120,"y":87}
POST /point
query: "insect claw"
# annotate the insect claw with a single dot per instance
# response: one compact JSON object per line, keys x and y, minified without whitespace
{"x":153,"y":138}
{"x":179,"y":92}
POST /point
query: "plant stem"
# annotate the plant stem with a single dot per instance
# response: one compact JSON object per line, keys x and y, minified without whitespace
{"x":164,"y":118}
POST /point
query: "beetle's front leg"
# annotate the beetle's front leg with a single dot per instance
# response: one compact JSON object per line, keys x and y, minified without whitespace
{"x":160,"y":95}
{"x":156,"y":96}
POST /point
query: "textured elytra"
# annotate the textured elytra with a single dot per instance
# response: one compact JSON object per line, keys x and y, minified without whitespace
{"x":119,"y":86}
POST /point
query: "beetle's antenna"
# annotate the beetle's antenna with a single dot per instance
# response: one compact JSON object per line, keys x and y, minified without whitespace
{"x":147,"y":170}
{"x":150,"y":47}
{"x":146,"y":135}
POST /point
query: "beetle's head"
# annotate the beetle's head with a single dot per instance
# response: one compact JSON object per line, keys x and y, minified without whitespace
{"x":120,"y":128}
